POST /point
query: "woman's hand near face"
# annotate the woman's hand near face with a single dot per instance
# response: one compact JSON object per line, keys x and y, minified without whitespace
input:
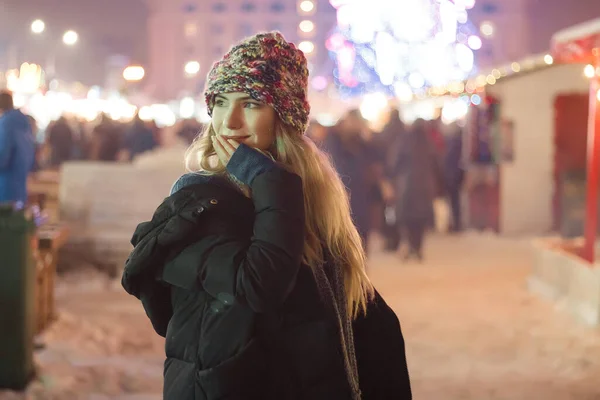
{"x":224,"y":148}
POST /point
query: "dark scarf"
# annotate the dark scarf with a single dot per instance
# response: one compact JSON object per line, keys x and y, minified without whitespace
{"x":330,"y":282}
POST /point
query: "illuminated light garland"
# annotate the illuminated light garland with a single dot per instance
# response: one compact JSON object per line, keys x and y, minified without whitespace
{"x":478,"y":83}
{"x":379,"y":44}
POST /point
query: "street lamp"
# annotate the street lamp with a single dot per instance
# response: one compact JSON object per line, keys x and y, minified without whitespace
{"x":307,"y":6}
{"x":307,"y":26}
{"x":192,"y":68}
{"x":70,"y":38}
{"x":38,"y":26}
{"x":133,"y":73}
{"x":306,"y":46}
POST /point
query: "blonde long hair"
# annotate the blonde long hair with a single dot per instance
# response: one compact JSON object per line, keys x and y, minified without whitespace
{"x":328,"y":220}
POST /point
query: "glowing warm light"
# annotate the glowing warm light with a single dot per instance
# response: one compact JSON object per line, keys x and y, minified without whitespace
{"x":470,"y":86}
{"x":454,"y":110}
{"x":27,"y":79}
{"x":192,"y":68}
{"x":346,"y":15}
{"x":448,"y":22}
{"x":306,"y":26}
{"x":19,"y":100}
{"x":387,"y":65}
{"x":12,"y":80}
{"x":93,"y":93}
{"x":548,"y":59}
{"x":457,"y":87}
{"x":490,"y":79}
{"x":307,"y":6}
{"x":487,"y":29}
{"x":118,"y":108}
{"x":481,"y":80}
{"x":373,"y":105}
{"x":474,"y":42}
{"x":326,"y":119}
{"x":403,"y":92}
{"x":134,"y":73}
{"x":70,"y":38}
{"x":464,"y":57}
{"x":468,"y":4}
{"x":145,"y":113}
{"x":416,"y":80}
{"x":516,"y":67}
{"x":306,"y":46}
{"x":187,"y":107}
{"x":589,"y":71}
{"x":598,"y":95}
{"x":38,"y":26}
{"x":162,"y":114}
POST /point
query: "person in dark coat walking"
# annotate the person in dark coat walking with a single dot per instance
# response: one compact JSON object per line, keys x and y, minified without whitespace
{"x":138,"y":139}
{"x":61,"y":142}
{"x":415,"y":169}
{"x":388,"y":141}
{"x":106,"y":141}
{"x":354,"y":159}
{"x":454,"y":174}
{"x":252,"y":268}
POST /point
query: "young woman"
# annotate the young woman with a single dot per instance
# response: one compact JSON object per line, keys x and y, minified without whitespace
{"x":252,"y":269}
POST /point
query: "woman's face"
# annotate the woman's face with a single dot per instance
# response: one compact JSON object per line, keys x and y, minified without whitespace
{"x":239,"y":117}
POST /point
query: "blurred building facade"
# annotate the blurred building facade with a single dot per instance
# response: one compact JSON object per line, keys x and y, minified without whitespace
{"x":514,"y":29}
{"x":505,"y":31}
{"x":186,"y":38}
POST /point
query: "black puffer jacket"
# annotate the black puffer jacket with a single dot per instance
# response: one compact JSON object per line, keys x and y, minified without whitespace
{"x":220,"y":277}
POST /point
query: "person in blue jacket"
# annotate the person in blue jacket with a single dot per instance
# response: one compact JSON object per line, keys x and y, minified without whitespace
{"x":17,"y":151}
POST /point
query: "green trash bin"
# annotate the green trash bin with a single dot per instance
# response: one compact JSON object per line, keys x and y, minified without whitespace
{"x":17,"y":296}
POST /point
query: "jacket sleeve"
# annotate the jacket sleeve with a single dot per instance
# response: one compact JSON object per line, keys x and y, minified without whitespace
{"x":156,"y":300}
{"x":260,"y":271}
{"x":6,"y":145}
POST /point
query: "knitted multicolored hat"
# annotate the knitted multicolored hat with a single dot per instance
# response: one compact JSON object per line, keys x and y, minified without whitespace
{"x":270,"y":70}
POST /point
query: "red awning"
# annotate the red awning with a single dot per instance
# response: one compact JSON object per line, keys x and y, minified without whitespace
{"x":576,"y":44}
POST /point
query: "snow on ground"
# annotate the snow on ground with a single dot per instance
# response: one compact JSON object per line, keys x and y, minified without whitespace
{"x":473,"y":332}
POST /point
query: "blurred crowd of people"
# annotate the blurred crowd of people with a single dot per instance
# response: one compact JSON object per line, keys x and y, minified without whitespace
{"x":69,"y":139}
{"x":395,"y":176}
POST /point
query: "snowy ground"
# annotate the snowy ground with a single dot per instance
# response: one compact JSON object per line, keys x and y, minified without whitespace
{"x":472,"y":332}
